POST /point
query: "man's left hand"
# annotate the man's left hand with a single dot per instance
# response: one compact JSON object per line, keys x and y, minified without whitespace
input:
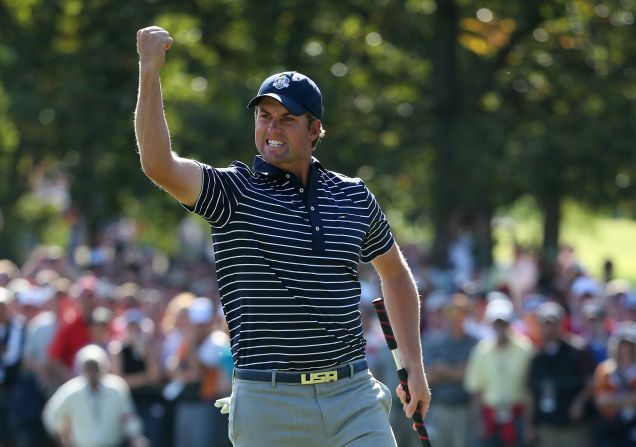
{"x":419,"y":393}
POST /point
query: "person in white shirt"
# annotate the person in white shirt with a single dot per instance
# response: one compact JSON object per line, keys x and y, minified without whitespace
{"x":94,"y":409}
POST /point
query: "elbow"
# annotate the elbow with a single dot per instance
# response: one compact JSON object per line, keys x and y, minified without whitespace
{"x":152,"y":171}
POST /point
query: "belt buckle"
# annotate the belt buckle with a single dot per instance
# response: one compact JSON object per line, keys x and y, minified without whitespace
{"x":318,"y":377}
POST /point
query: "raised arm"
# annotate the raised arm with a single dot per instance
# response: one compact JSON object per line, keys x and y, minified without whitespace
{"x":403,"y":306}
{"x":180,"y":177}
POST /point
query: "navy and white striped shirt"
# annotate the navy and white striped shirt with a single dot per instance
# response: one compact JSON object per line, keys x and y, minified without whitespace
{"x":287,"y":257}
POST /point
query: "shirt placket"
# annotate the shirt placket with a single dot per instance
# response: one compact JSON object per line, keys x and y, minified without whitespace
{"x":309,"y":196}
{"x":311,"y":202}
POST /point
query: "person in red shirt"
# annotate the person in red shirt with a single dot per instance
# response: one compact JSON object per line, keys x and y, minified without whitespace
{"x":73,"y":332}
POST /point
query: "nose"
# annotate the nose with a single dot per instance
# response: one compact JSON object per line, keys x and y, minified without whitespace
{"x":274,"y":125}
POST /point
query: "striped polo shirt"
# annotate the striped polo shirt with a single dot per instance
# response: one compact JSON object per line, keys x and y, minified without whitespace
{"x":287,"y":257}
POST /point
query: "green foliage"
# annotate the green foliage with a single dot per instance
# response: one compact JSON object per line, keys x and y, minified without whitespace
{"x":445,"y":108}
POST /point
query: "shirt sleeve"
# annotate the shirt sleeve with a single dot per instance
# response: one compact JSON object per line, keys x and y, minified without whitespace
{"x":378,"y":239}
{"x":55,"y":410}
{"x":220,"y":192}
{"x":12,"y":354}
{"x":472,"y":379}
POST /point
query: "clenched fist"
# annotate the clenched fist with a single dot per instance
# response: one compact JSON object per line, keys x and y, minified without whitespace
{"x":152,"y":44}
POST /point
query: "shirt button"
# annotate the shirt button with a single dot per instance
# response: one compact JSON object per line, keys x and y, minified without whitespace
{"x":317,"y":228}
{"x":287,"y":175}
{"x":311,"y":208}
{"x":301,"y":190}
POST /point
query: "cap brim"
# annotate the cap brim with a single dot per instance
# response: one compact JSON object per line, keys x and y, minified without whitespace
{"x":290,"y":104}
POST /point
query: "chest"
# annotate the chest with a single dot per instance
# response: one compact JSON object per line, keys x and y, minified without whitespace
{"x":291,"y":220}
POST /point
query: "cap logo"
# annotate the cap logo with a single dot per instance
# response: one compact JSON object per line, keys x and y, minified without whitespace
{"x":281,"y":82}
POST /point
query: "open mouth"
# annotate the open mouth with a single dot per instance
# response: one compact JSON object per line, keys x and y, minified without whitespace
{"x":275,"y":143}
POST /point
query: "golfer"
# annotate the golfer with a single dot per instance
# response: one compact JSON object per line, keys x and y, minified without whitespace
{"x":288,"y":236}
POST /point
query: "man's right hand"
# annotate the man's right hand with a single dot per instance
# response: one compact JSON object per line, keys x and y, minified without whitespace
{"x":152,"y":44}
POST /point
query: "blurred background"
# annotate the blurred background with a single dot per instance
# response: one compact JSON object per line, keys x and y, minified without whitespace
{"x":498,"y":137}
{"x":494,"y":121}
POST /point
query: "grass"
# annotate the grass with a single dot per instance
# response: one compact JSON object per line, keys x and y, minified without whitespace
{"x":594,"y":237}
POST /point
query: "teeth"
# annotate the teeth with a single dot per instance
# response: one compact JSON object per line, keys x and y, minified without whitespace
{"x":275,"y":143}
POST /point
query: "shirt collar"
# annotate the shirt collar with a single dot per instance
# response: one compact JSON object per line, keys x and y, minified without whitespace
{"x":260,"y":166}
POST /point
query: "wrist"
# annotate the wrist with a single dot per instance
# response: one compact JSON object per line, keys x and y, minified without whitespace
{"x":148,"y":69}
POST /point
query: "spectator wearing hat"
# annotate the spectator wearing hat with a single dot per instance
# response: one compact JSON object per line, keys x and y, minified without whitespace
{"x":30,"y":390}
{"x":94,"y":409}
{"x":615,"y":293}
{"x":615,"y":389}
{"x":583,"y":288}
{"x":445,"y":359}
{"x":560,"y":385}
{"x":628,"y":306}
{"x":596,"y":328}
{"x":496,"y":375}
{"x":199,"y":365}
{"x":528,"y":323}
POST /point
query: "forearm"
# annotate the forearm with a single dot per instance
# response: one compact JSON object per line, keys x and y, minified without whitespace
{"x":403,"y":307}
{"x":151,"y":129}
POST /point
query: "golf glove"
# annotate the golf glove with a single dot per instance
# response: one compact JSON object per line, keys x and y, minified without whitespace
{"x":223,"y":404}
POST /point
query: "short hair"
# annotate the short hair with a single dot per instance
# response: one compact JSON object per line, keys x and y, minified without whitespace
{"x":321,"y":133}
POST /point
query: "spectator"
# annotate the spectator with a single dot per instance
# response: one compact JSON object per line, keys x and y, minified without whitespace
{"x":95,"y":408}
{"x":175,"y":325}
{"x":99,"y":327}
{"x":495,"y":376}
{"x":445,"y":358}
{"x":28,"y":394}
{"x":12,"y":328}
{"x":615,"y":293}
{"x":615,"y":389}
{"x":560,"y":385}
{"x":528,"y":323}
{"x":199,"y":366}
{"x":8,"y":272}
{"x":136,"y":360}
{"x":583,"y":289}
{"x":596,"y":329}
{"x":74,"y":331}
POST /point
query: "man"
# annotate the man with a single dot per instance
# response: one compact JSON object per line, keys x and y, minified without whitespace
{"x":288,"y":236}
{"x":496,"y":376}
{"x":12,"y":328}
{"x":446,"y":358}
{"x":73,"y":332}
{"x":615,"y":389}
{"x":94,"y":409}
{"x":560,"y":382}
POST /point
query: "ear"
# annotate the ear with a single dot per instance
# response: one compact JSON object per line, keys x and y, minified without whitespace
{"x":314,"y":130}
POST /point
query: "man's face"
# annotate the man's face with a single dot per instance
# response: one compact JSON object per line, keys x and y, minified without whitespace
{"x":283,"y":139}
{"x":501,"y":329}
{"x":550,"y":328}
{"x":91,"y":371}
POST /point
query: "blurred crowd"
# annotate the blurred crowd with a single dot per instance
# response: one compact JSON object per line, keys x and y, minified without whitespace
{"x":535,"y":353}
{"x":113,"y":354}
{"x":127,"y":347}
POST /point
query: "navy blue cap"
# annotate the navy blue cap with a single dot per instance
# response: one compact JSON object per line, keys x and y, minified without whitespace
{"x":294,"y":90}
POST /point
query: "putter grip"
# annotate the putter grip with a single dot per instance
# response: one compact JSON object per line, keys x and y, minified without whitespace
{"x":378,"y":303}
{"x":417,"y":416}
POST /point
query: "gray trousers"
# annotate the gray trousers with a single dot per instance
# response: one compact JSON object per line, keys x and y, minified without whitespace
{"x":352,"y":412}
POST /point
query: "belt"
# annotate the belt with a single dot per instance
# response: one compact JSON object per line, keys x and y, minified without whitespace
{"x":303,"y":378}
